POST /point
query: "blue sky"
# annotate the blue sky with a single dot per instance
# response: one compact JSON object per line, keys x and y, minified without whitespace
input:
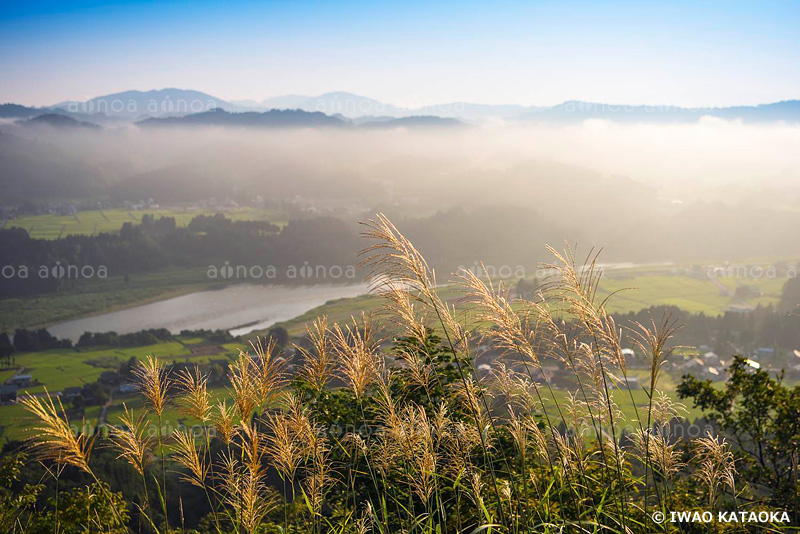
{"x":407,"y":53}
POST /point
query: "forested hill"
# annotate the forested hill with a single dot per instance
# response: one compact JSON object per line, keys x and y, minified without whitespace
{"x":159,"y":243}
{"x":268,"y":119}
{"x":451,"y":239}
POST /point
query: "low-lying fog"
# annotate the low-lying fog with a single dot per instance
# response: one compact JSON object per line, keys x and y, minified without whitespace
{"x":594,"y":177}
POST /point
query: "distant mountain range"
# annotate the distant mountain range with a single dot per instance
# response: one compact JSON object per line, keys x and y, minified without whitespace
{"x":131,"y":106}
{"x":276,"y":118}
{"x":55,"y":120}
{"x":354,"y":106}
{"x":294,"y":118}
{"x":419,"y":121}
{"x":577,"y":111}
{"x":137,"y":105}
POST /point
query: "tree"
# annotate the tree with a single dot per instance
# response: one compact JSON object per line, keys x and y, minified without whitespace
{"x":97,"y":392}
{"x":6,"y":349}
{"x":762,"y":416}
{"x":13,"y":504}
{"x":280,"y":335}
{"x":127,"y":368}
{"x":23,"y":341}
{"x":78,"y":402}
{"x":790,"y":297}
{"x":526,"y":289}
{"x":109,"y":512}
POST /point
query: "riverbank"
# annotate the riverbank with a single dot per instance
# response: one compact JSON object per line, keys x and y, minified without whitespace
{"x":654,"y":284}
{"x":97,"y":297}
{"x":240,"y":308}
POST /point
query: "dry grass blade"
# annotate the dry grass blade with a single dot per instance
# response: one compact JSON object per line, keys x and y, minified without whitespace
{"x":665,"y":410}
{"x":654,"y":342}
{"x":225,"y":422}
{"x":186,"y":455}
{"x":576,"y":290}
{"x":284,"y":446}
{"x":131,"y":439}
{"x":243,"y":385}
{"x":196,"y":401}
{"x":52,"y":437}
{"x":513,"y":332}
{"x":245,"y":493}
{"x":318,"y":362}
{"x":716,"y":464}
{"x":268,"y":371}
{"x":395,"y":257}
{"x":356,"y":351}
{"x":656,"y":450}
{"x":153,"y":383}
{"x":318,"y":479}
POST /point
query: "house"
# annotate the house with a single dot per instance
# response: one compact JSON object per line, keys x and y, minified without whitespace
{"x":711,"y":358}
{"x":633,"y":383}
{"x":8,"y":394}
{"x":71,"y":392}
{"x":21,"y":381}
{"x":484,"y":369}
{"x":693,"y":364}
{"x":629,"y":355}
{"x":127,"y":388}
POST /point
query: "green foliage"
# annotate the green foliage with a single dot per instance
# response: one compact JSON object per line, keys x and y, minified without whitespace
{"x":762,"y":416}
{"x":279,"y":335}
{"x":442,"y":361}
{"x":88,"y":509}
{"x":15,"y":505}
{"x":790,"y":297}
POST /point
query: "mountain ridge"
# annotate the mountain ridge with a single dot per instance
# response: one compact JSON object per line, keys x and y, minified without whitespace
{"x":137,"y":105}
{"x":274,"y":118}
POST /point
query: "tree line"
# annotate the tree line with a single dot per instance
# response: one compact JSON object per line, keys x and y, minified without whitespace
{"x":38,"y":266}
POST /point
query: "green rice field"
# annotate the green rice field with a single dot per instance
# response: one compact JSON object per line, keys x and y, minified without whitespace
{"x":54,"y":370}
{"x":92,"y":222}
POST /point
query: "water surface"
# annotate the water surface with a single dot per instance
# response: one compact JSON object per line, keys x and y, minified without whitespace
{"x":239,"y":308}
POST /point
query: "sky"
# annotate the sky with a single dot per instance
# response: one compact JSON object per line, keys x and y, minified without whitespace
{"x":406,"y":53}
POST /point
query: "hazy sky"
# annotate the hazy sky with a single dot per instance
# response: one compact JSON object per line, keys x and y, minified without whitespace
{"x":406,"y":53}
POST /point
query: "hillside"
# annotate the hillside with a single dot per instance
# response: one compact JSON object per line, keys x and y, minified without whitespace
{"x":55,"y":120}
{"x":250,"y":119}
{"x":153,"y":103}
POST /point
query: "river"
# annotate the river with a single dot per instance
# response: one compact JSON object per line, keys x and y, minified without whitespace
{"x":240,"y":309}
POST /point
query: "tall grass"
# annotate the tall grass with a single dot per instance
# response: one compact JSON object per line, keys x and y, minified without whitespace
{"x":451,"y":448}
